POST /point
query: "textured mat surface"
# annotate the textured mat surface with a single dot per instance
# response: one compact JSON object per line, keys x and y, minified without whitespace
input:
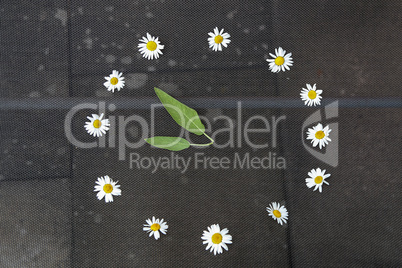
{"x":54,"y":55}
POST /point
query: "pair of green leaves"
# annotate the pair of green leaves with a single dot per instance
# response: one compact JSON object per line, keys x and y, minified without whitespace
{"x":184,"y":116}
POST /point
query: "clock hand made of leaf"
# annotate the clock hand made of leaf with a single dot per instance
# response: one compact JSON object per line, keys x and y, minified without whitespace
{"x":184,"y":116}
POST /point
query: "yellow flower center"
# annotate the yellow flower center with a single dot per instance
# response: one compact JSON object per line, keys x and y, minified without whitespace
{"x":155,"y":227}
{"x":97,"y":123}
{"x":277,"y":213}
{"x":107,"y":188}
{"x":320,"y":134}
{"x":216,"y":238}
{"x":114,"y":81}
{"x":279,"y":60}
{"x":151,"y":45}
{"x":318,"y":179}
{"x":312,"y":94}
{"x":218,"y":39}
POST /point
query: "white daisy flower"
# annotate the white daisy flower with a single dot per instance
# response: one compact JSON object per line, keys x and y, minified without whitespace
{"x":278,"y":212}
{"x":114,"y":81}
{"x":216,"y":239}
{"x":106,"y":188}
{"x":97,"y":126}
{"x":319,"y":135}
{"x":280,"y":60}
{"x":151,"y":47}
{"x":218,"y":39}
{"x":155,"y":226}
{"x":317,"y":178}
{"x":311,"y":95}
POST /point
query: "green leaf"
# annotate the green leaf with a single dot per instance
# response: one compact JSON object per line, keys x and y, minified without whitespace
{"x":183,"y":115}
{"x":169,"y":143}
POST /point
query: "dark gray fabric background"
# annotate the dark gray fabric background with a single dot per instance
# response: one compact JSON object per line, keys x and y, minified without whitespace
{"x":54,"y":55}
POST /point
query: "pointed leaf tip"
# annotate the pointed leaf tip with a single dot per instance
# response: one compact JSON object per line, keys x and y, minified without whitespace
{"x":185,"y":116}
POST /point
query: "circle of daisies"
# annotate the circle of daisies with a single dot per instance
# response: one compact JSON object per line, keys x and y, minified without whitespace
{"x":215,"y":238}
